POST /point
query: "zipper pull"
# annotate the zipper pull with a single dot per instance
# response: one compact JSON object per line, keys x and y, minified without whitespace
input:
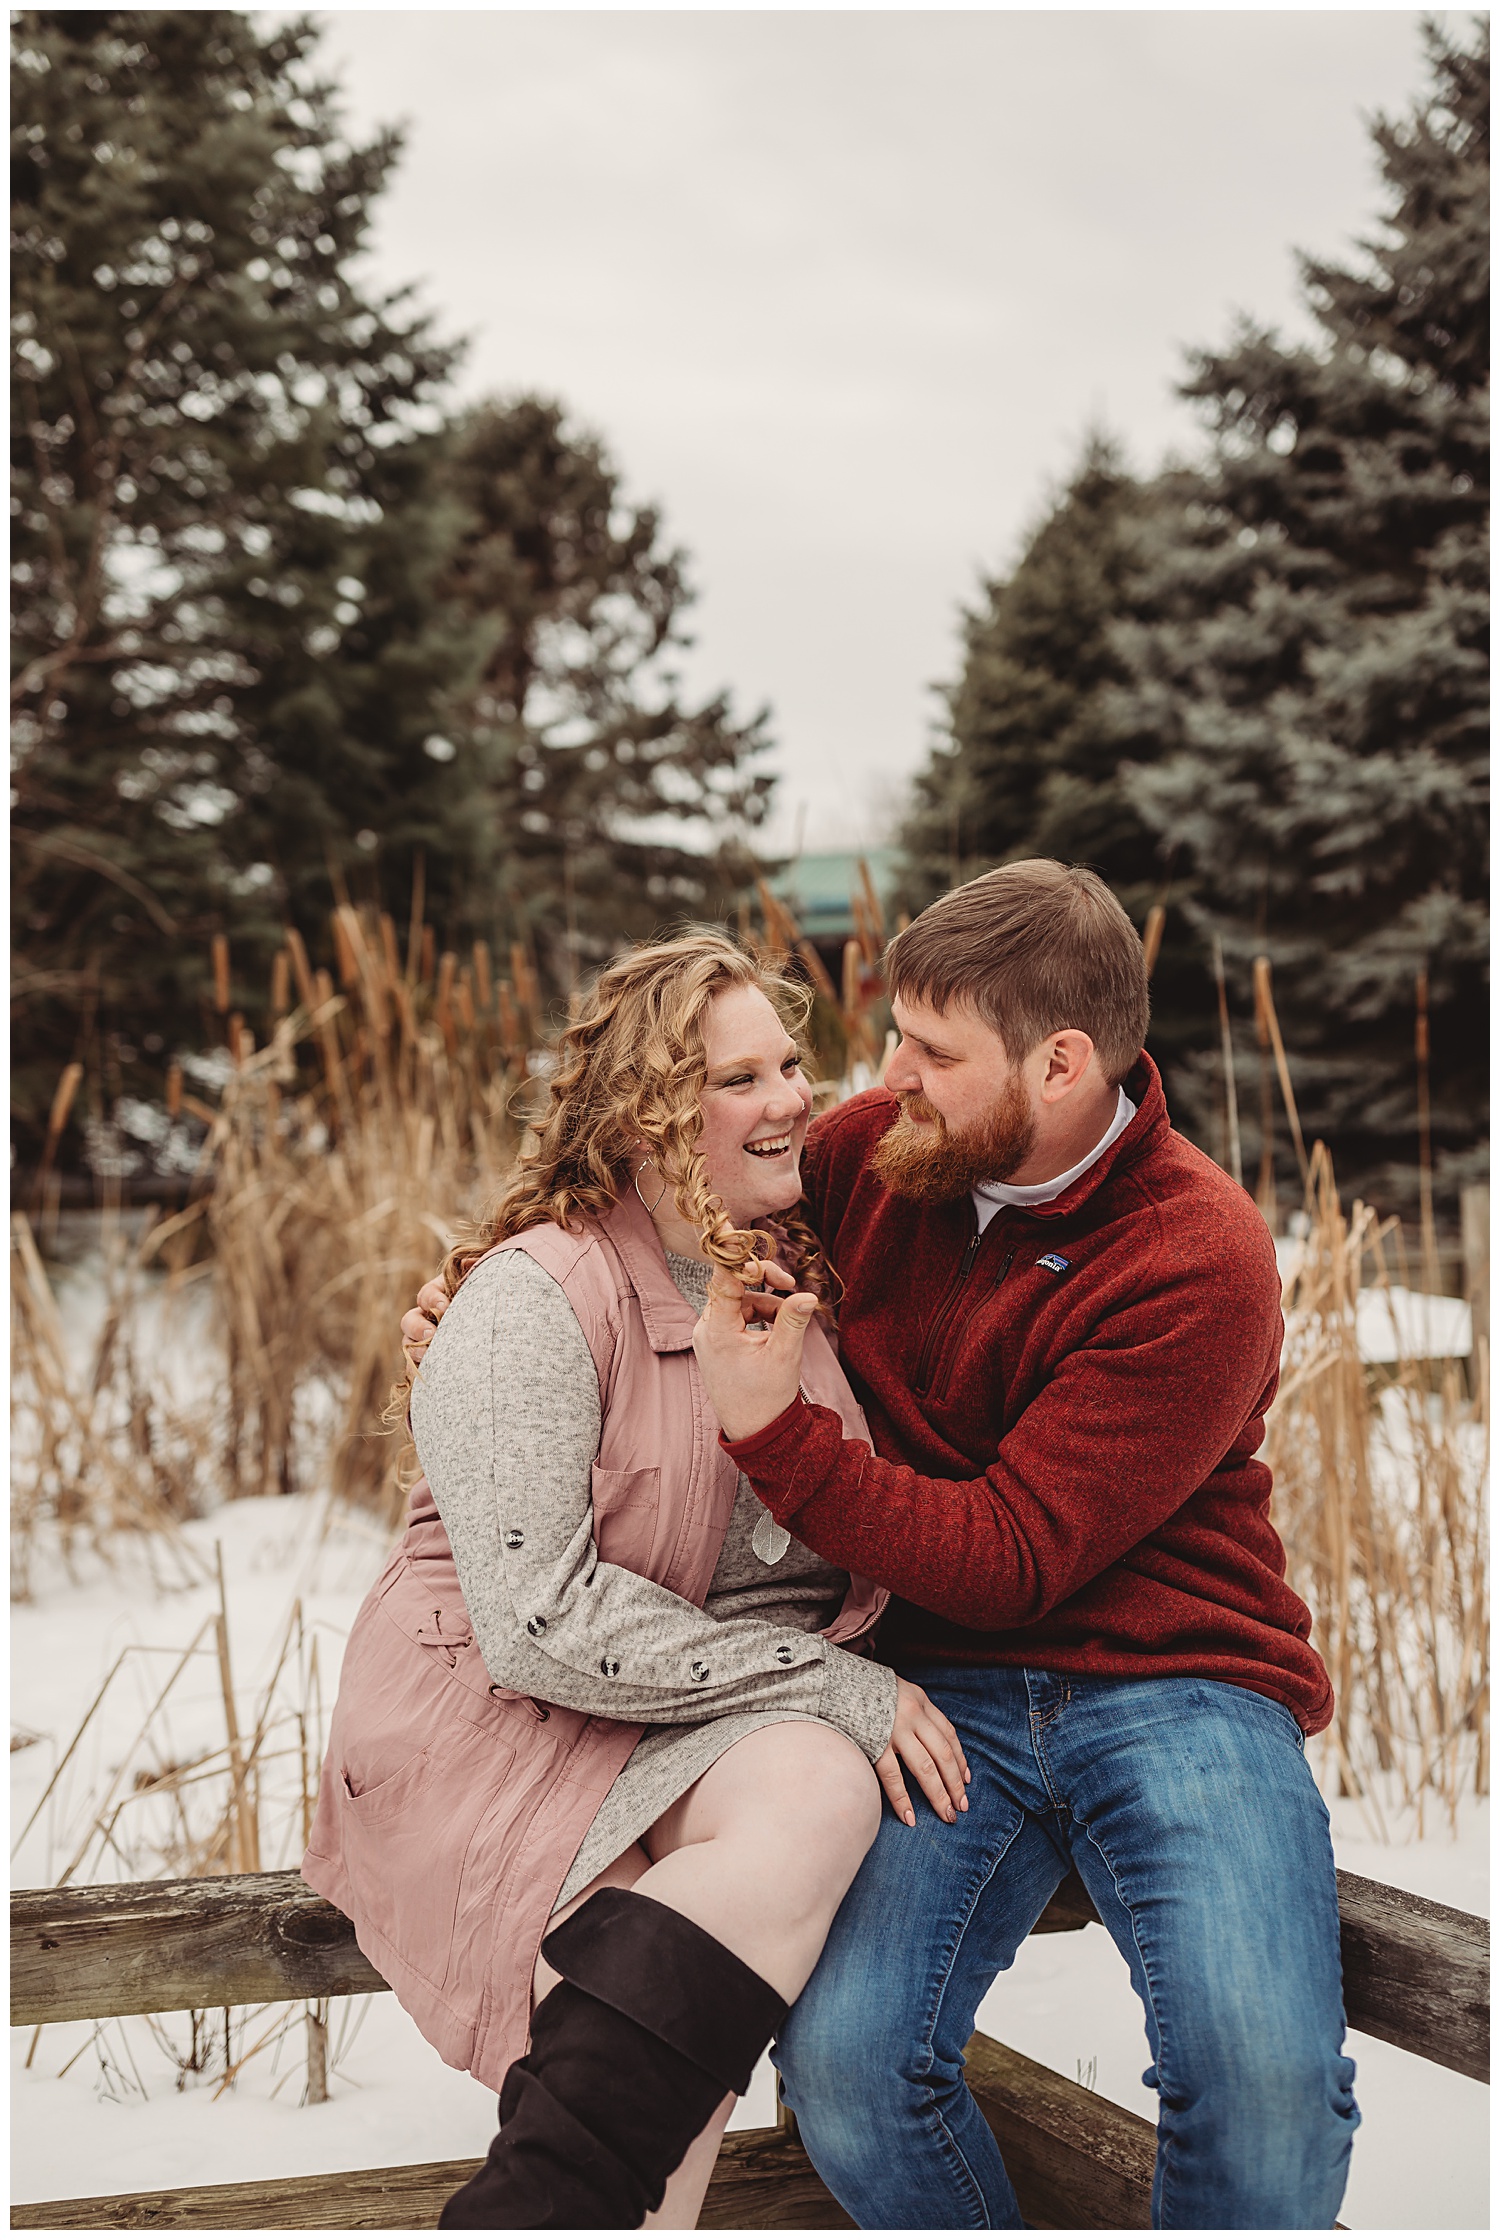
{"x":1005,"y":1266}
{"x":971,"y":1254}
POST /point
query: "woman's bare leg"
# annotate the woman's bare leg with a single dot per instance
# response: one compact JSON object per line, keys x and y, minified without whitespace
{"x":759,"y":1852}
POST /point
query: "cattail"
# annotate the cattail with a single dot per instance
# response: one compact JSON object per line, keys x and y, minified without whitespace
{"x":510,"y":1025}
{"x":389,"y":950}
{"x":1231,"y":1100}
{"x":464,"y":997}
{"x":343,"y":949}
{"x":523,"y":972}
{"x":782,"y":930}
{"x":174,"y":1090}
{"x":1265,"y":1009}
{"x":366,"y":974}
{"x":57,"y":1120}
{"x":429,"y":952}
{"x":62,"y":1104}
{"x":1156,"y":919}
{"x":220,"y":948}
{"x":306,"y":993}
{"x":414,"y":924}
{"x":482,"y":974}
{"x":872,"y":903}
{"x":817,"y":971}
{"x":852,"y":961}
{"x":441,"y":1010}
{"x":281,"y":984}
{"x":864,"y":930}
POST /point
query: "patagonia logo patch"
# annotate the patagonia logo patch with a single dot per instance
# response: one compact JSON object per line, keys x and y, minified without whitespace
{"x":1056,"y":1262}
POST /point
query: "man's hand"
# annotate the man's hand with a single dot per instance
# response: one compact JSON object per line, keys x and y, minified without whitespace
{"x":419,"y":1322}
{"x":750,"y":1349}
{"x":926,"y":1739}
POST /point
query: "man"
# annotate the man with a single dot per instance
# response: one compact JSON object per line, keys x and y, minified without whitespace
{"x":1063,"y":1323}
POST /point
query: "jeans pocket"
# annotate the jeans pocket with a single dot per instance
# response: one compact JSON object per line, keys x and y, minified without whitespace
{"x":1296,"y":1726}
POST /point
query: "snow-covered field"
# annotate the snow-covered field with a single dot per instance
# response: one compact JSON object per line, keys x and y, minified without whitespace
{"x":105,"y":2116}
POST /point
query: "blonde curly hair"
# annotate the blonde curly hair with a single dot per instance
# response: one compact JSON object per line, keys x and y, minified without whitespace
{"x":629,"y":1073}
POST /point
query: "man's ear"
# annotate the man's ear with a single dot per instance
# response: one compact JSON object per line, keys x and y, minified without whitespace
{"x":1068,"y":1053}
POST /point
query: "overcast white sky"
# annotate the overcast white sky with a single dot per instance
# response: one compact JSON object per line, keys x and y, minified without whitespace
{"x":844,"y":291}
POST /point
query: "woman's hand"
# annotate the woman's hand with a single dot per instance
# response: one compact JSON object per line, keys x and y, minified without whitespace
{"x":419,"y":1322}
{"x":926,"y":1741}
{"x":751,"y":1372}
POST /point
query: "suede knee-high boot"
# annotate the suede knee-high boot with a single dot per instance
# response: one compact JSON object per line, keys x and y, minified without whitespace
{"x":653,"y":2022}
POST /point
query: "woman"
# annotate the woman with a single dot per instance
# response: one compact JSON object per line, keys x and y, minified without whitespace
{"x":598,"y":1695}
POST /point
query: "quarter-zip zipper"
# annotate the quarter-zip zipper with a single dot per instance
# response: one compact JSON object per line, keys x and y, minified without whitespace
{"x":944,"y":1314}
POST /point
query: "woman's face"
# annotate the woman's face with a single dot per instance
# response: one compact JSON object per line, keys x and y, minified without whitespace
{"x":756,"y":1104}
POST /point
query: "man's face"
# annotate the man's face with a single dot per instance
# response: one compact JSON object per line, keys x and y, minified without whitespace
{"x":967,"y":1114}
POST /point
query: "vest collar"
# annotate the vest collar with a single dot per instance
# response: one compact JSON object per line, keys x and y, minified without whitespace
{"x":669,"y":1320}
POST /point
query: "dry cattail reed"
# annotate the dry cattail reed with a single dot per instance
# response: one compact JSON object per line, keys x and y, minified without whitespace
{"x":1380,"y":1473}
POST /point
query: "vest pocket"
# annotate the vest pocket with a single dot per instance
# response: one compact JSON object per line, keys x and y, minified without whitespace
{"x":414,"y":1775}
{"x":627,"y":1504}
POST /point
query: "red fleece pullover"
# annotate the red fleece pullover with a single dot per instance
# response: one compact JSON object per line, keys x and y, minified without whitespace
{"x":1066,"y":1413}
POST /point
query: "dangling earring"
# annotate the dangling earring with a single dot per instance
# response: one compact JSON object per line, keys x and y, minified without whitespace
{"x":640,"y":1193}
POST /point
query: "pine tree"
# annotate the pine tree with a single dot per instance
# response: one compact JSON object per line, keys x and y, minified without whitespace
{"x":1029,"y":764}
{"x":612,"y":803}
{"x":231,"y":635}
{"x":1308,"y":673}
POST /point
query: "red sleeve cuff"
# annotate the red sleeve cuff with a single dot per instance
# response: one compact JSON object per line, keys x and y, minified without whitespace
{"x":749,"y":1449}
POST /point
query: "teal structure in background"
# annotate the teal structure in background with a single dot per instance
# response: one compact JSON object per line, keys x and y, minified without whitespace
{"x":818,"y":889}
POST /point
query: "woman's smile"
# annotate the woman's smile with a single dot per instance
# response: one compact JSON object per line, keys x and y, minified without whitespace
{"x":771,"y":1147}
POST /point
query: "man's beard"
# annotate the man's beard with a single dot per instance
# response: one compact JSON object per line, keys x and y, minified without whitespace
{"x":935,"y":1164}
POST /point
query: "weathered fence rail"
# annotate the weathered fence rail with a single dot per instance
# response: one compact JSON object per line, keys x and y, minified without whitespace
{"x":1415,"y":1973}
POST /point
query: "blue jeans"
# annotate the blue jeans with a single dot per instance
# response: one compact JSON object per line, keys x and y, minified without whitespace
{"x":1189,"y":1811}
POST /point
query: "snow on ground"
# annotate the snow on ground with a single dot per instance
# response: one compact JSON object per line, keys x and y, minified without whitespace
{"x":114,"y":2121}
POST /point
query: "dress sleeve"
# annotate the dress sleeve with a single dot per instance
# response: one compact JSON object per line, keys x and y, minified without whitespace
{"x":505,"y":1414}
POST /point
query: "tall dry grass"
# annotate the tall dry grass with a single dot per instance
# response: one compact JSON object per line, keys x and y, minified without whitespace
{"x":380,"y":1112}
{"x":1381,"y":1475}
{"x":379,"y":1115}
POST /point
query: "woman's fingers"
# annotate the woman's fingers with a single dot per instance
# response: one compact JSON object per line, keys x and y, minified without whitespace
{"x":941,"y":1736}
{"x":416,"y":1335}
{"x":921,"y":1766}
{"x":888,"y":1773}
{"x":432,"y":1299}
{"x":943,"y":1745}
{"x":928,"y":1744}
{"x":773,"y":1273}
{"x":949,"y":1766}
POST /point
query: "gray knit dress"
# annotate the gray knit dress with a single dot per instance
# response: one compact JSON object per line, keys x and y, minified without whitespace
{"x":510,"y":1325}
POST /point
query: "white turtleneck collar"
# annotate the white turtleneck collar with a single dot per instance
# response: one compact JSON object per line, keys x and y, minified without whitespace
{"x":989,"y":1197}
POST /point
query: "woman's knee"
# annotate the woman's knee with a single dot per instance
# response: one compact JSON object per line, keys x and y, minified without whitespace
{"x":827,"y":1799}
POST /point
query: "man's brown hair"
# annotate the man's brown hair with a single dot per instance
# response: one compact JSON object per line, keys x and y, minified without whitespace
{"x":1032,"y":948}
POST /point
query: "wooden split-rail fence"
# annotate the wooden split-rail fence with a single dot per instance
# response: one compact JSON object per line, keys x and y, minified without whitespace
{"x":1415,"y":1973}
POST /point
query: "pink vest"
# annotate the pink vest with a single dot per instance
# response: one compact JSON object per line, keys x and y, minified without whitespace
{"x":450,"y":1809}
